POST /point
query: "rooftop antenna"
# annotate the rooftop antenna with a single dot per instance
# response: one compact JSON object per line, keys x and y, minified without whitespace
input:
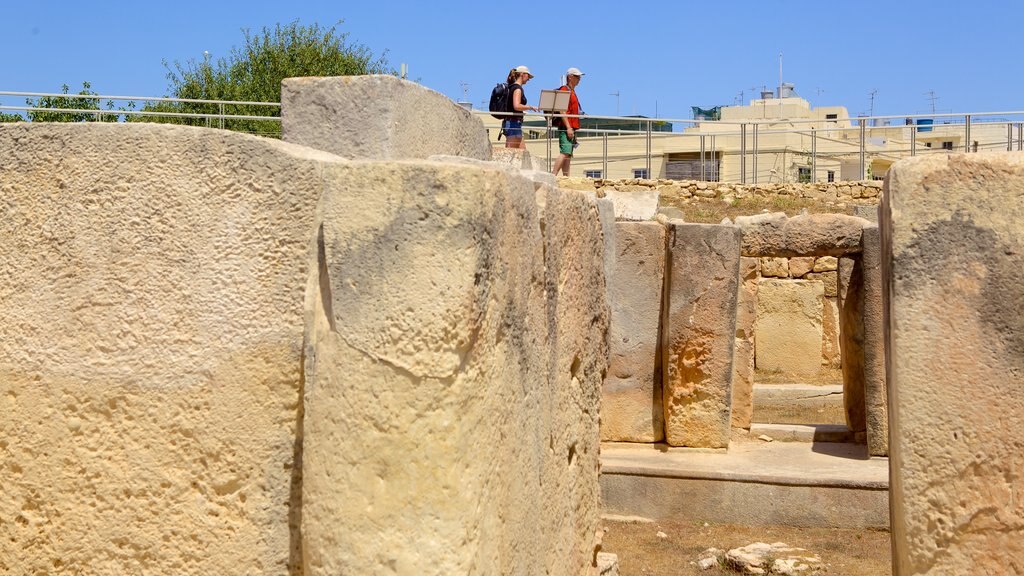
{"x":616,"y":94}
{"x":931,"y":96}
{"x":780,"y":84}
{"x":818,"y":92}
{"x":871,"y":107}
{"x":465,"y":90}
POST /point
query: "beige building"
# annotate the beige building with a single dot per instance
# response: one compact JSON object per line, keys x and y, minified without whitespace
{"x":771,"y":140}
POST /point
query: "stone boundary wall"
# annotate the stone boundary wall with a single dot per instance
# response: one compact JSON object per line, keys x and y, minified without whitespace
{"x":866,"y":192}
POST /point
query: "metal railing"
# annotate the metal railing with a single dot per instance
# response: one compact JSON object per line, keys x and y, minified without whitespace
{"x":748,"y":151}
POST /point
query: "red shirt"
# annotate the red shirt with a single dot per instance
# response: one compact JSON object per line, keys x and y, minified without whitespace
{"x":574,"y":108}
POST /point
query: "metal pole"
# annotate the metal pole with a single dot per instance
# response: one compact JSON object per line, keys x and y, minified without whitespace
{"x":648,"y":148}
{"x":548,"y":143}
{"x":814,"y":156}
{"x":913,"y":140}
{"x":754,"y":162}
{"x":604,"y":156}
{"x":863,"y":145}
{"x":1009,"y":137}
{"x":221,"y":107}
{"x":703,"y":174}
{"x":743,"y":153}
{"x":1020,"y":136}
{"x":714,"y":159}
{"x":967,"y":133}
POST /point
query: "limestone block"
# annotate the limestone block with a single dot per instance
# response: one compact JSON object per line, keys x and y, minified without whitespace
{"x":803,"y":235}
{"x":831,"y":351}
{"x":951,"y":230}
{"x":826,"y":264}
{"x":774,"y":267}
{"x":798,"y":266}
{"x":378,"y":117}
{"x":638,"y":205}
{"x":151,"y":360}
{"x":829,"y":279}
{"x":698,"y":332}
{"x":876,"y":400}
{"x":518,"y":158}
{"x":453,"y":370}
{"x":631,"y":409}
{"x":743,"y":362}
{"x":850,"y":290}
{"x":789,"y":326}
{"x":868,"y":212}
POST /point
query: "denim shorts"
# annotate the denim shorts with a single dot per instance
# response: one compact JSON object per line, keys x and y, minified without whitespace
{"x":512,"y":128}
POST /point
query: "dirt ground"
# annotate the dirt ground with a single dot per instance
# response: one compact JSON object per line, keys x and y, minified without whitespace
{"x":641,"y":552}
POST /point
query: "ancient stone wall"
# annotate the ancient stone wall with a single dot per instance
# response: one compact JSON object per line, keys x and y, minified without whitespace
{"x":839,"y":193}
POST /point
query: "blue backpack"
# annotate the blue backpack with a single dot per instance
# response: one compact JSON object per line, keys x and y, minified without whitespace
{"x":500,"y":100}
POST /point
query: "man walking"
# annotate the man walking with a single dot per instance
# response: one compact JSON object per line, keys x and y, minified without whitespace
{"x":567,"y":126}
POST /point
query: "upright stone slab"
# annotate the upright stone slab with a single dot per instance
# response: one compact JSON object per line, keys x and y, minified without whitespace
{"x":850,"y":290}
{"x":743,"y":363}
{"x":953,"y":245}
{"x":151,"y":327}
{"x":876,"y":400}
{"x":631,"y":409}
{"x":638,"y":205}
{"x":698,"y":332}
{"x":377,"y":118}
{"x":453,"y":373}
{"x":789,"y":326}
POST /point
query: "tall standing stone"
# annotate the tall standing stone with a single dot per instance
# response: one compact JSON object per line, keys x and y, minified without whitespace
{"x":876,"y":400}
{"x":631,"y":409}
{"x":953,"y":245}
{"x":698,"y":333}
{"x":743,"y":363}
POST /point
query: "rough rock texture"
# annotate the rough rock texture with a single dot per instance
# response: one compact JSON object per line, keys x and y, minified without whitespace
{"x":828,"y":279}
{"x":151,"y":321}
{"x":831,"y":352}
{"x":804,"y":235}
{"x":774,"y":267}
{"x":348,"y":116}
{"x":515,"y":157}
{"x":633,"y":205}
{"x":954,"y":246}
{"x":778,"y":558}
{"x":876,"y":399}
{"x":454,"y":365}
{"x":698,"y":333}
{"x":631,"y":409}
{"x":850,"y":297}
{"x":789,"y":326}
{"x":798,"y":266}
{"x":743,"y":357}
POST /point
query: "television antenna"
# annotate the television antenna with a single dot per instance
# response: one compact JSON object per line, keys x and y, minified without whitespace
{"x":931,"y":96}
{"x":616,"y":94}
{"x":465,"y":90}
{"x":871,"y":106}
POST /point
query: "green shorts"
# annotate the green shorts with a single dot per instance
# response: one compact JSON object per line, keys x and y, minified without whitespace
{"x":565,"y":145}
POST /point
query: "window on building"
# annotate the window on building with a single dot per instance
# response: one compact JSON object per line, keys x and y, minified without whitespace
{"x":640,"y":173}
{"x":947,"y":145}
{"x":831,"y":116}
{"x":803,"y":174}
{"x":592,"y":174}
{"x":831,"y":175}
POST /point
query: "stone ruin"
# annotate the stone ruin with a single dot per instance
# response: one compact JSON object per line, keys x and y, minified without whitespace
{"x":371,"y":348}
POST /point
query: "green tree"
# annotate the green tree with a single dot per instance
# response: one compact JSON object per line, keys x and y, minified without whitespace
{"x":87,"y":109}
{"x":253,"y":73}
{"x":4,"y":117}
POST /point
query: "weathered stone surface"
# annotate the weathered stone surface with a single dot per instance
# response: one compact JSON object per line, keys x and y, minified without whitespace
{"x":789,"y":326}
{"x":774,"y":267}
{"x":803,"y":235}
{"x":698,"y":333}
{"x":778,"y":558}
{"x":952,"y":232}
{"x":743,"y":356}
{"x":876,"y":398}
{"x":829,"y":279}
{"x":798,"y":266}
{"x":826,"y":264}
{"x":151,"y":305}
{"x":452,"y":342}
{"x":347,"y":116}
{"x":631,"y":409}
{"x":850,"y":290}
{"x":637,"y":205}
{"x":831,"y":354}
{"x":869,"y":212}
{"x":518,"y":158}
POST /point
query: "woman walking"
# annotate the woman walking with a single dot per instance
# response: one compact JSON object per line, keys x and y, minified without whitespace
{"x":513,"y":125}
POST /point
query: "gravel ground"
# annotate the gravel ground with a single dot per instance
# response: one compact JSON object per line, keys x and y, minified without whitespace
{"x":641,"y":551}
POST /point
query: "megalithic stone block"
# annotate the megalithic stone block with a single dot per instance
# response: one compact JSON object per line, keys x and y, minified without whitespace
{"x":699,"y":333}
{"x":876,"y":400}
{"x":378,"y":117}
{"x":851,"y":336}
{"x":631,"y":409}
{"x":743,"y":355}
{"x":953,"y":250}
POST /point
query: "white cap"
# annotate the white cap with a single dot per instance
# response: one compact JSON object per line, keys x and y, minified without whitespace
{"x":523,"y":70}
{"x":573,"y":72}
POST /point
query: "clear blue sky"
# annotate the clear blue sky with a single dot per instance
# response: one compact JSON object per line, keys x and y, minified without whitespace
{"x":661,"y":57}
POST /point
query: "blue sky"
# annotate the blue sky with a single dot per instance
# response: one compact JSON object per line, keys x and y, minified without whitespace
{"x":660,"y":57}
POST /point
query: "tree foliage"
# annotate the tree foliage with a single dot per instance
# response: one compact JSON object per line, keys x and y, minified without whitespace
{"x":253,"y":73}
{"x":86,"y":109}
